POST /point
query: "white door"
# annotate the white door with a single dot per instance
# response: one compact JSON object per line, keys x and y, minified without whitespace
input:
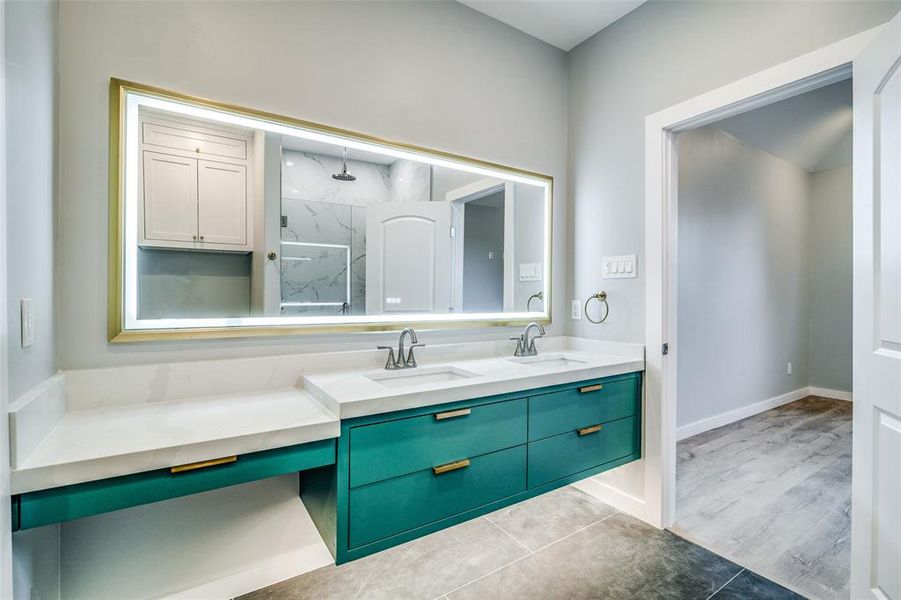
{"x":876,"y":500}
{"x":170,"y":198}
{"x":222,"y":203}
{"x":408,"y":257}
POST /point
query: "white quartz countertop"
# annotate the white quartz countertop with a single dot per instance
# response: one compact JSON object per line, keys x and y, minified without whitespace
{"x":85,"y":445}
{"x":82,"y":426}
{"x":354,"y":394}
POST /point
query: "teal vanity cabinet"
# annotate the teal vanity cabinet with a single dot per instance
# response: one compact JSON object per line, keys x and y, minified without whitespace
{"x":405,"y":474}
{"x":55,"y":505}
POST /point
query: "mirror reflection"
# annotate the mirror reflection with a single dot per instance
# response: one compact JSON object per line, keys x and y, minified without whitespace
{"x":238,"y":218}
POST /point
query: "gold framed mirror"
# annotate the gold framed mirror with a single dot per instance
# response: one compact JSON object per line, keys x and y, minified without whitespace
{"x":227,"y":221}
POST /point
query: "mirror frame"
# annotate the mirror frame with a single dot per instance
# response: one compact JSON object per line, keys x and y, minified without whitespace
{"x":117,"y":332}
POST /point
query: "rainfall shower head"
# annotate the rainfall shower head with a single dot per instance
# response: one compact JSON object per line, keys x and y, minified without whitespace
{"x":344,"y":175}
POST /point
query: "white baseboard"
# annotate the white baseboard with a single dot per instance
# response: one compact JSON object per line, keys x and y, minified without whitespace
{"x":610,"y":495}
{"x":831,"y":394}
{"x":686,"y":431}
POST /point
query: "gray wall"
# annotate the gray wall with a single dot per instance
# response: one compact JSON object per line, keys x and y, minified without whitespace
{"x":30,"y":96}
{"x":418,"y":89}
{"x":483,"y":277}
{"x":830,"y":279}
{"x":31,"y":108}
{"x":744,"y":273}
{"x":654,"y":57}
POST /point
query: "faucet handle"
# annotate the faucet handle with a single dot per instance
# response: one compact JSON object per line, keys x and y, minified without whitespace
{"x":519,"y":347}
{"x":391,"y":363}
{"x":411,"y":360}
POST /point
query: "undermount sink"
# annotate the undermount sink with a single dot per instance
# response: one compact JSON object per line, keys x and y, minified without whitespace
{"x":549,"y":361}
{"x":419,"y":376}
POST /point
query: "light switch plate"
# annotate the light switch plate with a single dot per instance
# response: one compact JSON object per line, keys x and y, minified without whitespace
{"x":27,"y":322}
{"x":530,"y":272}
{"x":619,"y":267}
{"x":576,"y":310}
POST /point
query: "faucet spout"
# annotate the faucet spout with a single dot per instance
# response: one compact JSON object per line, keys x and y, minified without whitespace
{"x":401,"y":357}
{"x":526,"y":346}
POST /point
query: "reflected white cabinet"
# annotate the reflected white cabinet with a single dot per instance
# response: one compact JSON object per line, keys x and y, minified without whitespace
{"x":193,"y":198}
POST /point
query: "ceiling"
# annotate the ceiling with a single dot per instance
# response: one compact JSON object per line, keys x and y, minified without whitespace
{"x":812,"y":130}
{"x":561,"y":23}
{"x":336,"y":150}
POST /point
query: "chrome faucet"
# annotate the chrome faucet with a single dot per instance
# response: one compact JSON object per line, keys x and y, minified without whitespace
{"x":525,"y":346}
{"x":402,"y":361}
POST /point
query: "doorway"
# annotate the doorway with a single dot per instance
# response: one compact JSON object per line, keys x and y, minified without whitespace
{"x":763,"y":472}
{"x":876,"y":487}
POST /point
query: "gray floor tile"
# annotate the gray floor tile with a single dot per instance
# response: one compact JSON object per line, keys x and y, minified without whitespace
{"x":433,"y":565}
{"x":617,"y":558}
{"x":751,"y":586}
{"x":550,"y":517}
{"x":425,"y":568}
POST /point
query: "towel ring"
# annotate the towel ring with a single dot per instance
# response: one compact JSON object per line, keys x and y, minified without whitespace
{"x":538,"y":295}
{"x":601,"y":297}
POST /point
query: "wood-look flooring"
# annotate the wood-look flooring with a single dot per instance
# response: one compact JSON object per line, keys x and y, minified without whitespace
{"x":773,"y":493}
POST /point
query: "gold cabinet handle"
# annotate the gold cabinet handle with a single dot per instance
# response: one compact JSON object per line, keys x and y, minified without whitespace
{"x":462,"y":412}
{"x":590,"y":388}
{"x":203,"y":464}
{"x":459,"y":464}
{"x":590,"y":429}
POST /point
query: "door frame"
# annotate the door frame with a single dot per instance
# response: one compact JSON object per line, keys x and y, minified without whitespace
{"x":458,"y":198}
{"x":807,"y":72}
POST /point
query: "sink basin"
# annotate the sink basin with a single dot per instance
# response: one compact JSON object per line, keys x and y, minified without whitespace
{"x":419,"y":376}
{"x":548,"y":361}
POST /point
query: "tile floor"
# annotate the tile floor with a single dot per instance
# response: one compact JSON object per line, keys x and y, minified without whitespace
{"x":564,"y":544}
{"x":773,"y":493}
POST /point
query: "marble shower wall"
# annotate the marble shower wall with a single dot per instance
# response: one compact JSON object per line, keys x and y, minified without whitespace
{"x":330,"y":215}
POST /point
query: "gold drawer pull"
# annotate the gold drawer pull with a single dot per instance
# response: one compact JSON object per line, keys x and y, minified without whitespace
{"x":462,"y":412}
{"x":587,"y":430}
{"x":591,"y":388}
{"x":203,"y":464}
{"x":459,"y":464}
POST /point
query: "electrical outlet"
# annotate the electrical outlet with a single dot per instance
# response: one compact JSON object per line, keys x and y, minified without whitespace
{"x":27,"y":322}
{"x":788,"y":368}
{"x":576,"y":310}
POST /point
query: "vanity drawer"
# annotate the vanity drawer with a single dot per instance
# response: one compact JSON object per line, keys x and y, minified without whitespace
{"x":391,"y":507}
{"x":94,"y":497}
{"x":384,"y":450}
{"x":572,"y":452}
{"x":591,"y":402}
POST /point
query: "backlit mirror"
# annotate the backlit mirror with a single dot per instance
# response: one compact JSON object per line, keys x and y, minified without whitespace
{"x":230,"y":221}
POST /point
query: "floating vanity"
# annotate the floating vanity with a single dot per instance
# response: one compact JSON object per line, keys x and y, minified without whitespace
{"x":384,"y":456}
{"x":426,"y":448}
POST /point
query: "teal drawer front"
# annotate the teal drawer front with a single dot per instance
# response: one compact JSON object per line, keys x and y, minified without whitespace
{"x":389,"y":449}
{"x":383,"y":509}
{"x":590,"y":403}
{"x":570,"y":453}
{"x":85,"y":499}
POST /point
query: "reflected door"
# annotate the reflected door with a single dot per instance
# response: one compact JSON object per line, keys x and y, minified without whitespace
{"x":408,"y":257}
{"x":876,"y":516}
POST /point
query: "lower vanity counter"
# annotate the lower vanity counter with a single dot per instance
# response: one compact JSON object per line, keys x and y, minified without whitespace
{"x":375,"y":471}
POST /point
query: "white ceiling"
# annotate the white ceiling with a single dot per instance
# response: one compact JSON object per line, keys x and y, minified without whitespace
{"x":812,"y":130}
{"x":561,"y":23}
{"x":336,"y":150}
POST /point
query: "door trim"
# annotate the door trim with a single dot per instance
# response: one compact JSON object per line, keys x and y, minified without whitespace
{"x":807,"y":72}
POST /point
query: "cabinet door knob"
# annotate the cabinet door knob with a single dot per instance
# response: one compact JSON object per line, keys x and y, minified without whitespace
{"x":201,"y":238}
{"x":194,"y":236}
{"x":272,"y":255}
